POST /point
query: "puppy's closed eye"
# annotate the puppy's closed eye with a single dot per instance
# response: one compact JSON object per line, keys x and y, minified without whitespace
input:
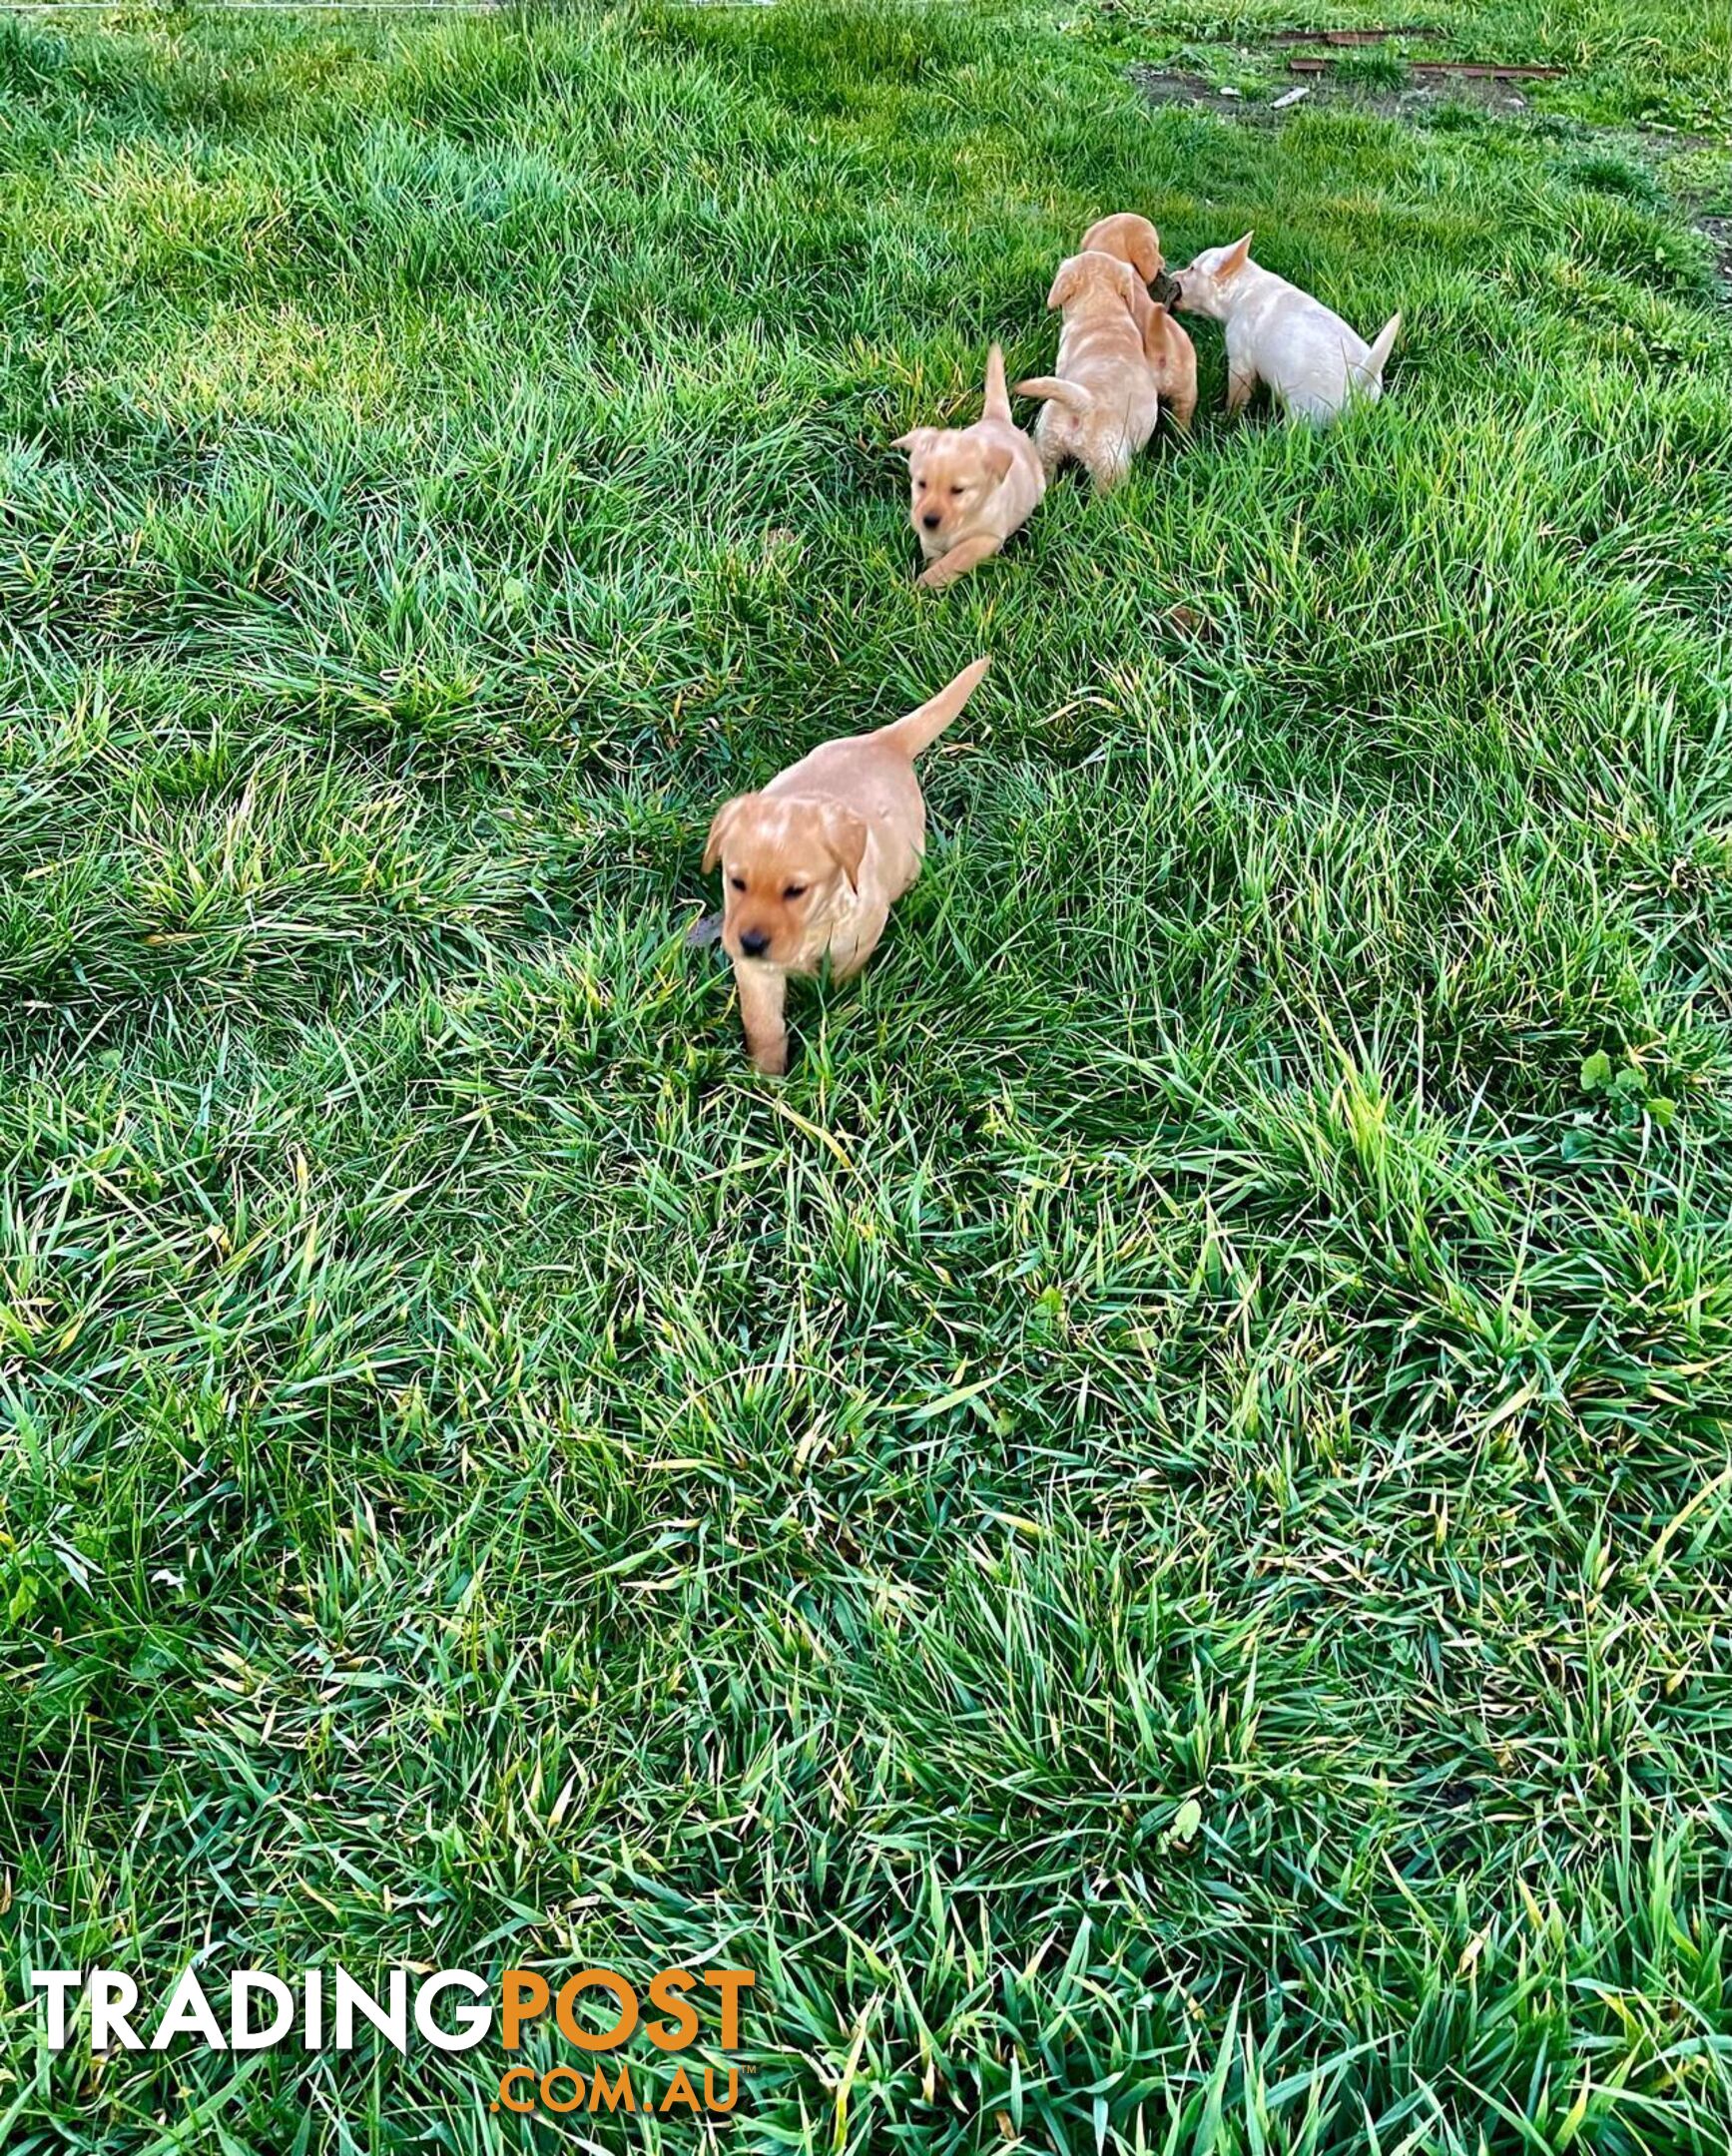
{"x":794,"y":891}
{"x":738,"y":882}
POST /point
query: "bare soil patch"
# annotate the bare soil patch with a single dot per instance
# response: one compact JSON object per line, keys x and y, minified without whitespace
{"x":1412,"y":100}
{"x":1499,"y":91}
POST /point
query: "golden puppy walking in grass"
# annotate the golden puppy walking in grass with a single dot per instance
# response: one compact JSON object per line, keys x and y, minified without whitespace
{"x":971,"y":487}
{"x":813,"y":864}
{"x":1102,"y":405}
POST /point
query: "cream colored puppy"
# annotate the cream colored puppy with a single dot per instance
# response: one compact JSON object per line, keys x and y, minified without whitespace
{"x":813,"y":863}
{"x":971,"y":487}
{"x":1102,"y":405}
{"x":1313,"y":364}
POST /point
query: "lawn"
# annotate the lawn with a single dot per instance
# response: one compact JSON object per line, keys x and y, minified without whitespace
{"x":1148,"y":1536}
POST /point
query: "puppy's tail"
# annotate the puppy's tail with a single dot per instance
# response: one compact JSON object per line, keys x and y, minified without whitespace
{"x":922,"y":728}
{"x":1372,"y":370}
{"x":998,"y":404}
{"x":1073,"y":396}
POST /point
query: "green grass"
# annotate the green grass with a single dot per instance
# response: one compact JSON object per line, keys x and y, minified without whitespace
{"x":485,"y":1478}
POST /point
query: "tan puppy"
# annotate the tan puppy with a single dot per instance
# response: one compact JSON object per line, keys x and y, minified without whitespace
{"x":1103,"y":403}
{"x":1171,"y":354}
{"x":813,"y":863}
{"x":971,"y":487}
{"x":1313,"y":364}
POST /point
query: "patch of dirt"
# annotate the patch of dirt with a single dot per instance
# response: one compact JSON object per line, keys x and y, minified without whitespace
{"x":1325,"y":92}
{"x":1417,"y":96}
{"x":1161,"y":88}
{"x":1438,"y":85}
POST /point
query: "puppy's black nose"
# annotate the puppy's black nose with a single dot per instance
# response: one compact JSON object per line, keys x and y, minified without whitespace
{"x":754,"y":943}
{"x":930,"y":520}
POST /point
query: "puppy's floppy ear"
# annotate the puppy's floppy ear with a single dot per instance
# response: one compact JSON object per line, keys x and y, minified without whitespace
{"x":718,"y":824}
{"x":997,"y":461}
{"x":1065,"y":284}
{"x":1236,"y":256}
{"x":1132,"y":292}
{"x":1144,"y":251}
{"x":915,"y":439}
{"x":845,"y":836}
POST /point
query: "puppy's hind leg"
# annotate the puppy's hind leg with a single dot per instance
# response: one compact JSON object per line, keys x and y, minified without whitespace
{"x":763,"y":1002}
{"x":1056,"y":433}
{"x":1049,"y":446}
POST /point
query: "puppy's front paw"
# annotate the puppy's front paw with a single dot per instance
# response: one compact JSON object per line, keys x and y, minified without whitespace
{"x":772,"y":1062}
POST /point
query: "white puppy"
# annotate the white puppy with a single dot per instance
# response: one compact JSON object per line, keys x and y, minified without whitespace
{"x":1313,"y":364}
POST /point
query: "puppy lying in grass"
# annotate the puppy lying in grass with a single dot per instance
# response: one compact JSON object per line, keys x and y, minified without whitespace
{"x":813,"y":863}
{"x":971,"y":487}
{"x":1171,"y":355}
{"x":1313,"y":364}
